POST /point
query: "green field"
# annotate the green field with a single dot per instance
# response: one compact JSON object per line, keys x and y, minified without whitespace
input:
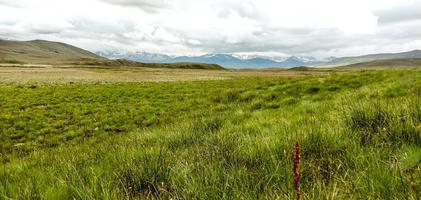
{"x":360,"y":134}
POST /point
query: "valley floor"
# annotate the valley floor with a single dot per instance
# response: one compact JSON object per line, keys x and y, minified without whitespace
{"x":97,"y":133}
{"x":65,"y":74}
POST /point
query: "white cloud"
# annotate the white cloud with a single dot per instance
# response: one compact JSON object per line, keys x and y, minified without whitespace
{"x":299,"y":27}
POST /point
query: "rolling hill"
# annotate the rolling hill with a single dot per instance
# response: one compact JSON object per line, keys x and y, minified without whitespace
{"x":57,"y":53}
{"x":394,"y":57}
{"x":44,"y":52}
{"x":406,"y":62}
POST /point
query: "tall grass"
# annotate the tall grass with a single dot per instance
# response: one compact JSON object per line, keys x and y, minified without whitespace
{"x":209,"y":140}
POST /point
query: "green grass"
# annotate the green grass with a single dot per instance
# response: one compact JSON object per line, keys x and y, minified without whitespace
{"x":360,"y":134}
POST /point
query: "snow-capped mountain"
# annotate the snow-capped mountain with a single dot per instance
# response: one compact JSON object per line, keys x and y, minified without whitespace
{"x":276,"y":58}
{"x":136,"y":56}
{"x":225,"y":60}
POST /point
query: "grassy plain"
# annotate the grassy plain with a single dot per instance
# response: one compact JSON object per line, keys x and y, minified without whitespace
{"x":230,"y":136}
{"x":105,"y":74}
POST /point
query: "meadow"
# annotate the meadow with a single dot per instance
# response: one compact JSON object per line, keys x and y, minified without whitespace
{"x":100,"y":74}
{"x":230,"y":137}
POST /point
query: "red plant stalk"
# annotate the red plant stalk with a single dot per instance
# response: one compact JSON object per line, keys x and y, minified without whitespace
{"x":296,"y":170}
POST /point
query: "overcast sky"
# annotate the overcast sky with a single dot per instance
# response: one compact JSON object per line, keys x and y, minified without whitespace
{"x":317,"y":28}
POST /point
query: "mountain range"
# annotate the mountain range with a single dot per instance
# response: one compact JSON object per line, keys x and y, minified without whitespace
{"x":235,"y":61}
{"x":47,"y":52}
{"x":225,"y":60}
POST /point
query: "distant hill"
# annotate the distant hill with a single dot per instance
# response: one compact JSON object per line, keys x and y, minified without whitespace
{"x":407,"y":62}
{"x":44,"y":52}
{"x":225,"y":60}
{"x":301,"y":68}
{"x":57,"y":53}
{"x":374,"y":57}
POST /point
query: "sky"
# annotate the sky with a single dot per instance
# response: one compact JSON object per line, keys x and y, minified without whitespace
{"x":318,"y":28}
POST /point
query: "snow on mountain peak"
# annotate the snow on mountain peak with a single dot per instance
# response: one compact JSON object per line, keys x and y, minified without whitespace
{"x":271,"y":59}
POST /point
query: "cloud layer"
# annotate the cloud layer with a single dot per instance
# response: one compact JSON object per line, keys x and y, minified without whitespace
{"x":301,"y":27}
